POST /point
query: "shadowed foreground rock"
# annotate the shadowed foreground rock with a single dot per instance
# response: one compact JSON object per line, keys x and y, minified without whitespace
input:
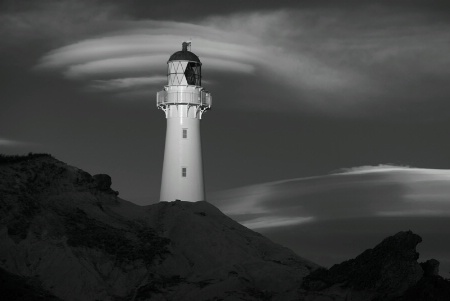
{"x":389,"y":271}
{"x":65,"y":235}
{"x":72,"y":235}
{"x":429,"y":288}
{"x":13,"y":287}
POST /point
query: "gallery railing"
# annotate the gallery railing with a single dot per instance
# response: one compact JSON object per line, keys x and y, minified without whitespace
{"x":201,"y":98}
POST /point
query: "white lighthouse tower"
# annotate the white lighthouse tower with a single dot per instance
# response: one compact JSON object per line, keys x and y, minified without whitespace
{"x":183,"y":100}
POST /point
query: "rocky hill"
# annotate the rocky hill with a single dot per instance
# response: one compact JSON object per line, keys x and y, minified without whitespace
{"x":389,"y":271}
{"x":64,"y":234}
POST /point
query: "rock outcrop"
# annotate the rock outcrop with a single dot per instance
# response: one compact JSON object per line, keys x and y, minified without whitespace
{"x":429,"y":288}
{"x":103,"y":182}
{"x":389,"y":271}
{"x":66,"y":230}
{"x":430,"y":267}
{"x":66,"y":235}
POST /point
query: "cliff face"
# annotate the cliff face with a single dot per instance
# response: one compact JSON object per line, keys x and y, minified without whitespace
{"x":72,"y":234}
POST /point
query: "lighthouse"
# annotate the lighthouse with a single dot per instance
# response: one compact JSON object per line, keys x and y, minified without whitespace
{"x":183,"y":101}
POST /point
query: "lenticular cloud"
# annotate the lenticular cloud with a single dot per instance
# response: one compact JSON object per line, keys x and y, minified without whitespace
{"x":361,"y":192}
{"x":144,"y":47}
{"x":125,"y":53}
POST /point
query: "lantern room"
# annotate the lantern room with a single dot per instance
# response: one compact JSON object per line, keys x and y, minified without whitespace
{"x":184,"y":68}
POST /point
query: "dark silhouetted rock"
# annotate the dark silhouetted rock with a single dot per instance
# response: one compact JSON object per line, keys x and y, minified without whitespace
{"x":64,"y":228}
{"x":6,"y":159}
{"x":430,"y":267}
{"x":102,"y":182}
{"x":429,"y":288}
{"x":65,"y":233}
{"x":381,"y":273}
{"x":17,"y":288}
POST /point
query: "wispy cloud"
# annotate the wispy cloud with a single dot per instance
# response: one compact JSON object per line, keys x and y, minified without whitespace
{"x":7,"y":142}
{"x":119,"y":84}
{"x":274,"y":221}
{"x":144,"y":47}
{"x":146,"y":53}
{"x":336,"y":61}
{"x":372,"y":169}
{"x":367,"y":191}
{"x":348,"y":211}
{"x":12,"y":143}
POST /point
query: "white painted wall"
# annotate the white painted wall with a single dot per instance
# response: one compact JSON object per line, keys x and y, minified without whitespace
{"x":179,"y":153}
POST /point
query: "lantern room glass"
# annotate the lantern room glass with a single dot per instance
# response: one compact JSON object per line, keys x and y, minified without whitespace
{"x":182,"y":72}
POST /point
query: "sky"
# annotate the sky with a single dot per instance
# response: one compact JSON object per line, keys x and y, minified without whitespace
{"x":331,"y":218}
{"x":301,"y":90}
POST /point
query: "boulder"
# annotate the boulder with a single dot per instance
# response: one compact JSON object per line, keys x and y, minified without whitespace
{"x":103,"y":182}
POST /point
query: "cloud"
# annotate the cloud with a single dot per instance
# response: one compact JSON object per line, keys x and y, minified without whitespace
{"x":330,"y":60}
{"x":12,"y":143}
{"x":143,"y":48}
{"x":7,"y":142}
{"x":135,"y":52}
{"x":367,"y":191}
{"x":126,"y":83}
{"x":271,"y":222}
{"x":335,"y":217}
{"x":383,"y":168}
{"x":108,"y":67}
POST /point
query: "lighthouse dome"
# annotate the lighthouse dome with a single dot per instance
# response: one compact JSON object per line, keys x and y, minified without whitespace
{"x":184,"y":68}
{"x":184,"y":55}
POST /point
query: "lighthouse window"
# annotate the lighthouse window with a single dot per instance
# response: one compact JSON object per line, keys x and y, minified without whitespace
{"x":193,"y":73}
{"x":183,"y":172}
{"x":184,"y":133}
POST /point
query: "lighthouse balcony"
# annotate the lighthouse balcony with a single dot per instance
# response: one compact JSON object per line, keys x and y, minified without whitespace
{"x":195,"y":98}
